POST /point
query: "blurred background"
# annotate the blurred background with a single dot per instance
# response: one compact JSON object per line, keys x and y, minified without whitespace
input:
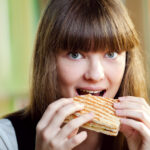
{"x":18,"y":25}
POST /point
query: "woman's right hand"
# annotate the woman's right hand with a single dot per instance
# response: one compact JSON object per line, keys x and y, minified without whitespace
{"x":49,"y":133}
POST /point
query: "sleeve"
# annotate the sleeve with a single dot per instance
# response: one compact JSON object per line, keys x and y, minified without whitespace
{"x":8,"y":139}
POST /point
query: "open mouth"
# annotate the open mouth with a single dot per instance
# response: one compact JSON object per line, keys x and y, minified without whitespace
{"x":95,"y":93}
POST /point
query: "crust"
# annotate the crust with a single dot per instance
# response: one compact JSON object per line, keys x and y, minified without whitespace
{"x":105,"y":120}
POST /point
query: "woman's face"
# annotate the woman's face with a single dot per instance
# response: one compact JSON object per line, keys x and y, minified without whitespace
{"x":97,"y":73}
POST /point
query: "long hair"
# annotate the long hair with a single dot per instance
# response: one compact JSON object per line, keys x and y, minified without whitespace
{"x":86,"y":25}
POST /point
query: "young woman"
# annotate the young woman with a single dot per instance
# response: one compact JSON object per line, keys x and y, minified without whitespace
{"x":82,"y":46}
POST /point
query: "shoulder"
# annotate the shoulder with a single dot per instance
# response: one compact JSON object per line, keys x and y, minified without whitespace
{"x":8,"y":139}
{"x":24,"y":127}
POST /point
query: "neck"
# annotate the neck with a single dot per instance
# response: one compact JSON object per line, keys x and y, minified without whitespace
{"x":93,"y":141}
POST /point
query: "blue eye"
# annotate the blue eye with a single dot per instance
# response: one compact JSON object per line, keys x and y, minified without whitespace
{"x":111,"y":55}
{"x":75,"y":55}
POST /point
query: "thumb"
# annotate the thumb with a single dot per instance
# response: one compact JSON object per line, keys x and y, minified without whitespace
{"x":126,"y":130}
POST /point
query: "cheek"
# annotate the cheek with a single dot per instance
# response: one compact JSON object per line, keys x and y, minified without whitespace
{"x":67,"y":76}
{"x":68,"y":73}
{"x":114,"y":76}
{"x":115,"y":73}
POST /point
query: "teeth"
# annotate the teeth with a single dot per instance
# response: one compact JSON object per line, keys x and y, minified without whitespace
{"x":91,"y":92}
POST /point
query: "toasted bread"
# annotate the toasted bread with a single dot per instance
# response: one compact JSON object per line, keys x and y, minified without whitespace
{"x":105,"y":120}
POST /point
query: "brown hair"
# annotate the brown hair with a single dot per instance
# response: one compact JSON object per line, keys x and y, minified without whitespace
{"x":84,"y":25}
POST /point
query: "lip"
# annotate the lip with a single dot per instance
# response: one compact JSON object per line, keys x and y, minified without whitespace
{"x":91,"y":89}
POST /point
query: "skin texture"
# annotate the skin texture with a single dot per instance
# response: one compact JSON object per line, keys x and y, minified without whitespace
{"x":135,"y":121}
{"x":94,"y":71}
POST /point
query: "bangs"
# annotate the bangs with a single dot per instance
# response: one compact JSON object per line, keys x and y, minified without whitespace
{"x":95,"y":28}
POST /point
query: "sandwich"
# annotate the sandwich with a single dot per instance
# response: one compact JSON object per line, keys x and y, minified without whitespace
{"x":105,"y":120}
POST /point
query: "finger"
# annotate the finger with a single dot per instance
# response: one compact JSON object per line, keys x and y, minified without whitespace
{"x":65,"y":111}
{"x":139,"y":100}
{"x":73,"y":133}
{"x":53,"y":127}
{"x":76,"y":140}
{"x":138,"y":126}
{"x":136,"y":101}
{"x":135,"y":114}
{"x":74,"y":124}
{"x":127,"y":105}
{"x":132,"y":106}
{"x":51,"y":110}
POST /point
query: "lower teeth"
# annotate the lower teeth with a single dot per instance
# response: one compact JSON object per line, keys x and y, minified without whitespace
{"x":84,"y":92}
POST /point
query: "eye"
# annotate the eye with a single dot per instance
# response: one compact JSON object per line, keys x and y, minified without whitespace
{"x":75,"y":55}
{"x":111,"y":55}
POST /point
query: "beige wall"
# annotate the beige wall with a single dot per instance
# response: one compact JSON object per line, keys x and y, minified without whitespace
{"x":139,"y":10}
{"x":135,"y":10}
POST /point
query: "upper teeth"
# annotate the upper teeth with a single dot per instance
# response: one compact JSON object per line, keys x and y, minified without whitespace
{"x":91,"y":91}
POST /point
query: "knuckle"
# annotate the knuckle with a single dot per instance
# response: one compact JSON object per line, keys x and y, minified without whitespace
{"x":62,"y":112}
{"x":141,"y":126}
{"x":71,"y":124}
{"x":44,"y":136}
{"x":143,"y":101}
{"x":63,"y":99}
{"x":86,"y":117}
{"x":39,"y":128}
{"x":53,"y":143}
{"x":68,"y":146}
{"x":142,"y":107}
{"x":142,"y":114}
{"x":52,"y":107}
{"x":75,"y":141}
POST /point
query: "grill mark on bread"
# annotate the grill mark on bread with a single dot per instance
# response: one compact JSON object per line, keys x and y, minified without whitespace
{"x":109,"y":107}
{"x":101,"y":105}
{"x":96,"y":100}
{"x":99,"y":112}
{"x":105,"y":120}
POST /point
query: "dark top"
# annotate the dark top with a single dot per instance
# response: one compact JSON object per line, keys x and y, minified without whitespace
{"x":25,"y":129}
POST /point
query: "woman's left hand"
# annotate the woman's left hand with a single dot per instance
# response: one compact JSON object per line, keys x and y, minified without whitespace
{"x":135,"y":121}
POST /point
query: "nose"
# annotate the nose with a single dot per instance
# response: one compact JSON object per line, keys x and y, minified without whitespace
{"x":95,"y":71}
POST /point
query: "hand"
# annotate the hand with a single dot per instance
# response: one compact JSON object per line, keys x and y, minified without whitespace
{"x":49,"y":133}
{"x":135,"y":121}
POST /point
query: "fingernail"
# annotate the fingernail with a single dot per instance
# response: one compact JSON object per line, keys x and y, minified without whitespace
{"x":116,"y":105}
{"x":118,"y":112}
{"x":121,"y":98}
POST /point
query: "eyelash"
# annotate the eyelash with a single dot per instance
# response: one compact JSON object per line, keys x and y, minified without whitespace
{"x":116,"y":54}
{"x":70,"y":54}
{"x":107,"y":55}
